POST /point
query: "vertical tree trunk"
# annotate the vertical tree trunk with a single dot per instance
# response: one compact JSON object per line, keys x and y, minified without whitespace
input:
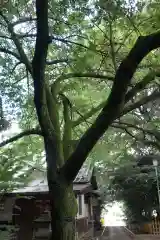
{"x":63,"y":211}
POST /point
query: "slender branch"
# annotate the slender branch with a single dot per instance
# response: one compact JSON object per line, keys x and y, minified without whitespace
{"x":4,"y":50}
{"x":5,"y":37}
{"x":114,"y":105}
{"x":89,"y":114}
{"x":22,"y":55}
{"x":63,"y":40}
{"x":129,"y":133}
{"x":66,"y":41}
{"x":153,"y":133}
{"x":130,"y":94}
{"x":154,"y":144}
{"x":15,"y":66}
{"x":155,"y":95}
{"x":36,"y":168}
{"x":151,"y":65}
{"x":141,"y":85}
{"x":23,"y":20}
{"x":57,"y":61}
{"x":33,"y":131}
{"x":126,"y":110}
{"x":126,"y":129}
{"x":79,"y":75}
{"x":88,"y":123}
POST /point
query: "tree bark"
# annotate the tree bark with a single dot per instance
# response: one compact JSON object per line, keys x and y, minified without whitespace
{"x":63,"y":209}
{"x":63,"y":212}
{"x":62,"y":198}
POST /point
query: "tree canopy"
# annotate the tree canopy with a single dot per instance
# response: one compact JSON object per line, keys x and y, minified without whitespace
{"x":69,"y":71}
{"x":85,"y":75}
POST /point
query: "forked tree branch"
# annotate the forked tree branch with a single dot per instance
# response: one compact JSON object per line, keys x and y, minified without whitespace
{"x":141,"y":85}
{"x":33,"y":131}
{"x":154,"y":144}
{"x":53,"y":62}
{"x":129,"y":95}
{"x":114,"y":105}
{"x":153,"y":133}
{"x":7,"y":51}
{"x":22,"y":55}
{"x":126,"y":128}
{"x":153,"y":96}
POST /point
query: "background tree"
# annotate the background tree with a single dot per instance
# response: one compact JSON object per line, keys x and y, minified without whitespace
{"x":136,"y":187}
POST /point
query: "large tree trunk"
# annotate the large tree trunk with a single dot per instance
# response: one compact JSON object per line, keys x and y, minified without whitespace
{"x":63,"y":211}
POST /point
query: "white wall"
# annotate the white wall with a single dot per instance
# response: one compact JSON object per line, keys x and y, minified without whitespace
{"x":84,"y":208}
{"x":6,"y":214}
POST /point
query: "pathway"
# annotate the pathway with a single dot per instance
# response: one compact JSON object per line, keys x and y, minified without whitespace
{"x":116,"y":233}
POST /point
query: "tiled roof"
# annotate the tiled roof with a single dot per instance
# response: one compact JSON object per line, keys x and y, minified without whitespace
{"x":40,"y":184}
{"x":43,"y":187}
{"x":84,"y":175}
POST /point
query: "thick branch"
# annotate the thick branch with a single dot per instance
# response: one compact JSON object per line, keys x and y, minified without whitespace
{"x":33,"y":131}
{"x":54,"y":117}
{"x":40,"y":87}
{"x":38,"y":65}
{"x":113,"y":55}
{"x":67,"y":129}
{"x":114,"y":104}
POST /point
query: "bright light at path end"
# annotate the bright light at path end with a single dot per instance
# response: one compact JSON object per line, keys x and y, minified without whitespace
{"x":114,"y":216}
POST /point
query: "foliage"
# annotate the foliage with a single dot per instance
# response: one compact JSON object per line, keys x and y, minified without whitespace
{"x":59,"y":97}
{"x":17,"y":163}
{"x":136,"y":186}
